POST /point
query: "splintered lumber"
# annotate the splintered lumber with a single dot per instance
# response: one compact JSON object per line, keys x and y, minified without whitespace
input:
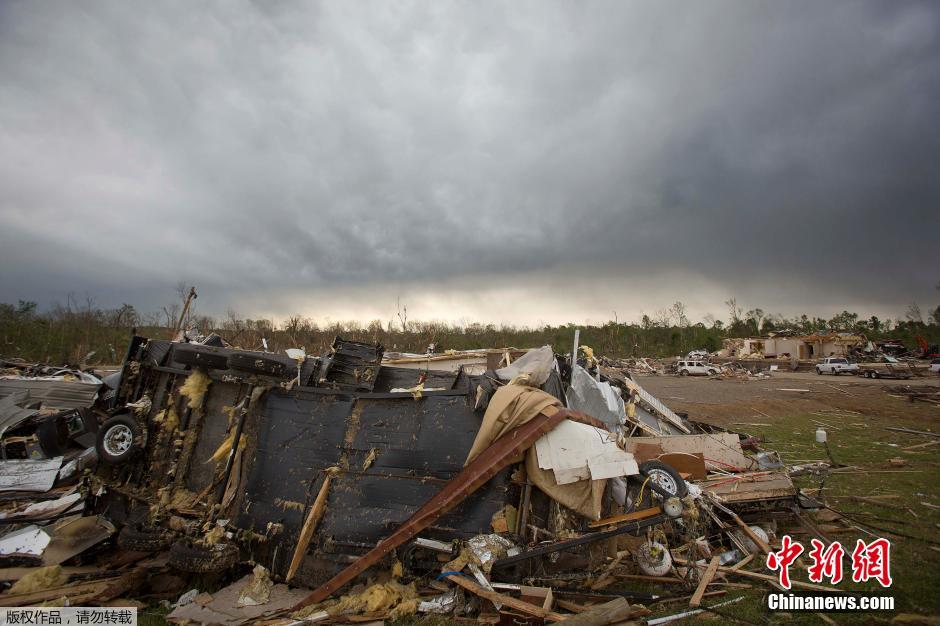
{"x":310,"y":525}
{"x":705,"y":580}
{"x":611,"y":612}
{"x":743,"y":562}
{"x":79,"y":592}
{"x":911,"y":431}
{"x":499,"y":598}
{"x":626,"y":517}
{"x":568,"y":605}
{"x":605,"y":579}
{"x":757,"y":576}
{"x":760,"y":543}
{"x":474,"y":475}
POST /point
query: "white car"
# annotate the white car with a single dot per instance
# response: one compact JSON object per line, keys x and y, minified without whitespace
{"x":935,"y":366}
{"x":836,"y":366}
{"x":696,"y":368}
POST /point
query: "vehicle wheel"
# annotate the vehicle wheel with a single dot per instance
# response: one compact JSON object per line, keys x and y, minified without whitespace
{"x":255,"y":364}
{"x":818,"y":371}
{"x":200,"y":356}
{"x":666,"y":477}
{"x":144,"y":538}
{"x":118,"y":439}
{"x":875,"y":375}
{"x":683,"y":372}
{"x":52,"y":435}
{"x":194,"y":558}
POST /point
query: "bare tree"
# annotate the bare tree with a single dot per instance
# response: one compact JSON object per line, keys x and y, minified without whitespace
{"x":402,"y":315}
{"x":734,"y":309}
{"x":678,"y":313}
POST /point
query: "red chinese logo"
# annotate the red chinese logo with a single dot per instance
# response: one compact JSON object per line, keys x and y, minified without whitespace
{"x":869,"y":561}
{"x":872,"y":561}
{"x":826,"y":563}
{"x":789,"y":552}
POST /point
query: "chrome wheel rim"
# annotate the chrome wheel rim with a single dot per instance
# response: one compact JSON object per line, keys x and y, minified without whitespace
{"x":118,"y":440}
{"x":664,"y":480}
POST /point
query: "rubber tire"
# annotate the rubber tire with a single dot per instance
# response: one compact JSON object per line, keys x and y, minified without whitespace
{"x":142,"y":538}
{"x":187,"y":556}
{"x":200,"y":356}
{"x":683,"y":372}
{"x":52,"y":440}
{"x":818,"y":372}
{"x":683,"y":489}
{"x":136,"y":445}
{"x":254,"y":363}
{"x":875,"y":375}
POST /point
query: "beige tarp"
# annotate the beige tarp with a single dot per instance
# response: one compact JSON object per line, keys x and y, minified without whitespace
{"x":514,"y":405}
{"x":510,"y":407}
{"x":583,"y":496}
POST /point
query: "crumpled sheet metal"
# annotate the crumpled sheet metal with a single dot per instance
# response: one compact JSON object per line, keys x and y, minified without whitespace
{"x":597,"y":399}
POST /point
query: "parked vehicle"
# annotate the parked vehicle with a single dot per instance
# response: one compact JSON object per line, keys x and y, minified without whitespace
{"x":836,"y":366}
{"x":696,"y":368}
{"x":935,"y":366}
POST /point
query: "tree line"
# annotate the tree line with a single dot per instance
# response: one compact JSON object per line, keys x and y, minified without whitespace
{"x":82,"y":333}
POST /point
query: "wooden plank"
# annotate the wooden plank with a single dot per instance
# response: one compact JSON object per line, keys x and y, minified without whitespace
{"x":611,"y":612}
{"x":705,"y":580}
{"x":495,"y":597}
{"x":568,"y":605}
{"x":764,"y":577}
{"x":760,"y":543}
{"x":626,"y":517}
{"x":743,"y":562}
{"x":310,"y":525}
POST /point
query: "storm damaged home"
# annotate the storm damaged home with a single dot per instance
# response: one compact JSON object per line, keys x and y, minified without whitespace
{"x":356,"y":487}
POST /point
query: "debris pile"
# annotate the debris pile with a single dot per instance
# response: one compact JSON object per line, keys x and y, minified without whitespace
{"x":353,"y":487}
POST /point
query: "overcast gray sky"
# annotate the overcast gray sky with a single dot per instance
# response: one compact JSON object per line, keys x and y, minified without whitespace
{"x":496,"y":161}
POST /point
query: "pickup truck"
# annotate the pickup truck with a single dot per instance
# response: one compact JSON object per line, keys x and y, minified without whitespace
{"x":836,"y":366}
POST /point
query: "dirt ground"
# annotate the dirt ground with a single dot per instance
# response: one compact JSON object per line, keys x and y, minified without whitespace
{"x":889,"y":484}
{"x":724,"y":402}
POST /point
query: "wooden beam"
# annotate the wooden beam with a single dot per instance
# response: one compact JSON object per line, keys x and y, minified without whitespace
{"x":495,"y":597}
{"x":626,"y":517}
{"x":704,"y":581}
{"x":310,"y":525}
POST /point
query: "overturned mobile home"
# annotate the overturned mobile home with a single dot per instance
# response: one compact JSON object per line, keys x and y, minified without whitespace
{"x":324,"y":471}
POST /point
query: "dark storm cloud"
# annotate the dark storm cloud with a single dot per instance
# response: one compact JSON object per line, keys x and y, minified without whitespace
{"x":305,"y":148}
